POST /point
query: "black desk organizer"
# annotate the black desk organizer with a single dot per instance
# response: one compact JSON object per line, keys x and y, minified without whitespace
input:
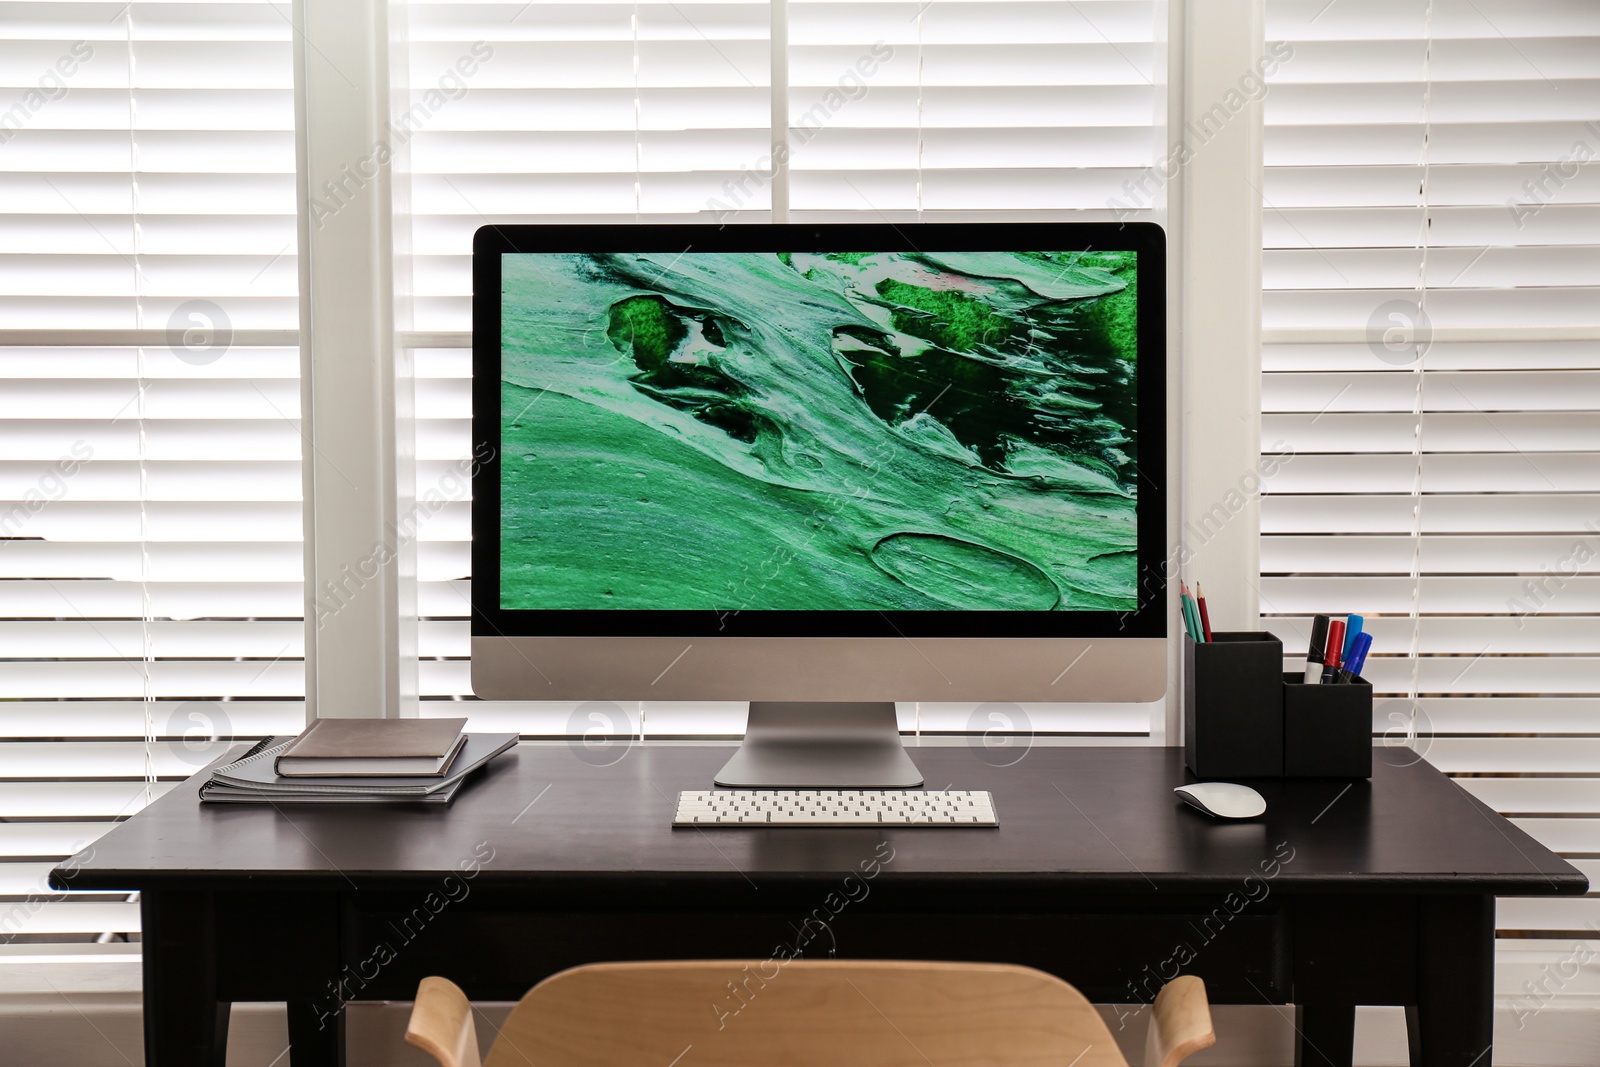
{"x":1243,"y":717}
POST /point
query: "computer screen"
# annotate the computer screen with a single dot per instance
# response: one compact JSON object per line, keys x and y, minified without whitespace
{"x":816,"y":436}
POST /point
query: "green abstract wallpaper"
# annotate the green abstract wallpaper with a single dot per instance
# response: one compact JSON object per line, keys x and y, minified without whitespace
{"x":807,"y":431}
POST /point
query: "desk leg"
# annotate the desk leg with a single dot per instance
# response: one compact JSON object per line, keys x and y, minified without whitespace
{"x":185,"y":1025}
{"x":1325,"y":1035}
{"x":316,"y":1039}
{"x":1452,"y":1023}
{"x":316,"y":1013}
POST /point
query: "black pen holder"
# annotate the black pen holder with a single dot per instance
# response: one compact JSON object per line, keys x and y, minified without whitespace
{"x":1327,"y":729}
{"x":1233,"y":705}
{"x":1243,"y":717}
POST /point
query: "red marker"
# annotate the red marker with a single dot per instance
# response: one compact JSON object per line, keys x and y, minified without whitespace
{"x":1200,"y":601}
{"x":1331,"y":660}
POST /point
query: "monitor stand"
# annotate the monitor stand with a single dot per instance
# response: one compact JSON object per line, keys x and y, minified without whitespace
{"x":820,"y":746}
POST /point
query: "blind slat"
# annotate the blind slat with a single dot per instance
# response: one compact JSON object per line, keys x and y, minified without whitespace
{"x":71,"y":917}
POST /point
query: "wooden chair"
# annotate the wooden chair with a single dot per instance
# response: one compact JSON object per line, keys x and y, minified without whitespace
{"x":806,"y":1013}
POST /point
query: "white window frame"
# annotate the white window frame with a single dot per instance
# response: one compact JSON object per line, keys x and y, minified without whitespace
{"x":1214,"y":316}
{"x":360,"y":574}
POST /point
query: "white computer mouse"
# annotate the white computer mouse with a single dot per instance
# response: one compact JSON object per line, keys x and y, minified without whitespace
{"x":1223,"y":799}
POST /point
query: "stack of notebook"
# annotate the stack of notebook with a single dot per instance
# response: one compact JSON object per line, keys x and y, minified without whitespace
{"x":358,"y":761}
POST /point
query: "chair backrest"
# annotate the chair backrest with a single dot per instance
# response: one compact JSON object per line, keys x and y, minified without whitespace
{"x":804,"y":1014}
{"x":441,"y":1024}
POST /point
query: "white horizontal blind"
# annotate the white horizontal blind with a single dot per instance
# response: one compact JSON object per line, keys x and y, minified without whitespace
{"x":969,"y":109}
{"x":660,"y":111}
{"x":571,"y":112}
{"x":150,"y":566}
{"x":1432,"y":328}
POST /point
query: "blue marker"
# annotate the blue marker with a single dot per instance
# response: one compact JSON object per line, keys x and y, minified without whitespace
{"x":1351,"y":629}
{"x":1358,"y":658}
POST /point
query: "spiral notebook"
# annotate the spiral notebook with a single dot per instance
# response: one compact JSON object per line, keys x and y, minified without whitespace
{"x":251,"y":779}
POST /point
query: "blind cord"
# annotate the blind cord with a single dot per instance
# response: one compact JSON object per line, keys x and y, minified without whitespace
{"x":638,"y":144}
{"x":1419,"y":379}
{"x":141,"y":385}
{"x":921,"y":13}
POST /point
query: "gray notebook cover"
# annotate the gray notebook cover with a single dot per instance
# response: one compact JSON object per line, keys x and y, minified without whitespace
{"x":375,"y":738}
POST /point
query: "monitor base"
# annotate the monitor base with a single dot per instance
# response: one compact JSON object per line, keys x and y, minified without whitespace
{"x":820,"y":745}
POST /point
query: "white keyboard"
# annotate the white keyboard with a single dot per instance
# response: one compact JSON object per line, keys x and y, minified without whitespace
{"x":835,"y":807}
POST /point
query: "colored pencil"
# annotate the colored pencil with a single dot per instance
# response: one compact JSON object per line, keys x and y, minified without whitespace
{"x":1191,"y":619}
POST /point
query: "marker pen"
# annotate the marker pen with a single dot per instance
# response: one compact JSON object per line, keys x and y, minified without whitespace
{"x":1335,"y":654}
{"x":1352,"y":629}
{"x":1357,"y":658}
{"x":1319,"y":641}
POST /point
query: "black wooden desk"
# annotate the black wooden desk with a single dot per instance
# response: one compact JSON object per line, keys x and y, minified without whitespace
{"x":1341,"y":894}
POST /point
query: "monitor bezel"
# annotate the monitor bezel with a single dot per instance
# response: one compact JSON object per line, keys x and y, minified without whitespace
{"x":1147,"y":619}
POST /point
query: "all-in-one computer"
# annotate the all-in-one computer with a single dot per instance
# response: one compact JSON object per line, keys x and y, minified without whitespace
{"x":822,"y":469}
